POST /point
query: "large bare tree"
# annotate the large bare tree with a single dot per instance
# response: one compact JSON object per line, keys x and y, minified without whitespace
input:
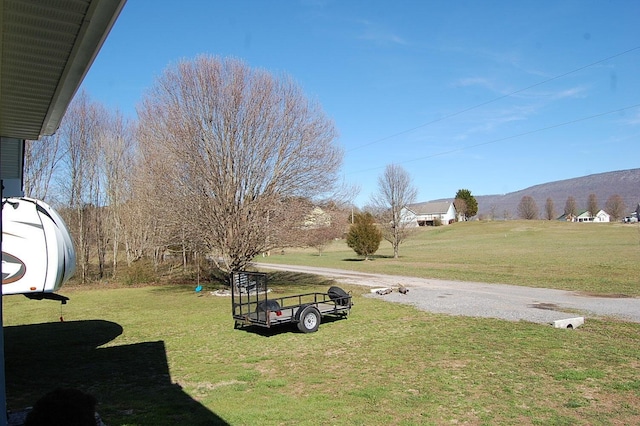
{"x":83,"y":169}
{"x":395,"y":192}
{"x":616,"y":207}
{"x":592,"y":204}
{"x":116,"y":163}
{"x":527,"y":208}
{"x":143,"y":217}
{"x":230,"y":148}
{"x":549,"y":209}
{"x":80,"y":186}
{"x":571,"y":208}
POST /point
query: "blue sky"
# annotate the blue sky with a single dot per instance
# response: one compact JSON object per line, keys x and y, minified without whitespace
{"x":490,"y":96}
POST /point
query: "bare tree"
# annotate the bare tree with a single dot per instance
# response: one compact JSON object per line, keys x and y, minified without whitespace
{"x":77,"y":167}
{"x":80,"y":186}
{"x":151,"y":215}
{"x":395,"y":192}
{"x":461,"y":207}
{"x":228,"y":148}
{"x":493,"y":212}
{"x":570,"y":207}
{"x":41,"y":159}
{"x":142,"y":231}
{"x":319,"y":238}
{"x":116,"y":161}
{"x":470,"y":206}
{"x":527,"y":208}
{"x":549,"y":209}
{"x":322,"y":226}
{"x":592,"y":204}
{"x":616,"y":207}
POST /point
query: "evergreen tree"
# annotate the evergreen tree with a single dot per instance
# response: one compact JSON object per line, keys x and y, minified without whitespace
{"x":470,"y":203}
{"x":364,"y":237}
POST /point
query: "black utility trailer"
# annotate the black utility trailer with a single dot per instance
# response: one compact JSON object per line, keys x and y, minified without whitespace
{"x":252,"y":306}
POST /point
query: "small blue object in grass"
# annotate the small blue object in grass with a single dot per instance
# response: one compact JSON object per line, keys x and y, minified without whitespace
{"x":198,"y":289}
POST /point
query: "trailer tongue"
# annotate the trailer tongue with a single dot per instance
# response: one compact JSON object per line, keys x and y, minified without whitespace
{"x":252,"y":306}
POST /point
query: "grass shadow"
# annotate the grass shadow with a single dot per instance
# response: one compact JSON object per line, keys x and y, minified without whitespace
{"x":276,"y":279}
{"x":132,"y":383}
{"x":297,"y":279}
{"x":268,"y":332}
{"x":285,"y":328}
{"x":370,"y":258}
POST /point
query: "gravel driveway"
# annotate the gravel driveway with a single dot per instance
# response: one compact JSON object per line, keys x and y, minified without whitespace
{"x":509,"y":302}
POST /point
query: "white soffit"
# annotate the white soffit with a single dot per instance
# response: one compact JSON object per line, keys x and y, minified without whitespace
{"x":46,"y":48}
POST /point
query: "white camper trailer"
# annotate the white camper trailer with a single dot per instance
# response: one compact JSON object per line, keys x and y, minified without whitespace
{"x":37,"y":251}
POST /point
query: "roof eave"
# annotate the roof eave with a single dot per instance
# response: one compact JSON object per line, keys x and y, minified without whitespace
{"x":96,"y":27}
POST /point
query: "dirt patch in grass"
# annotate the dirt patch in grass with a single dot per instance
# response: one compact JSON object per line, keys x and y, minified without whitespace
{"x":606,"y":295}
{"x":545,"y":306}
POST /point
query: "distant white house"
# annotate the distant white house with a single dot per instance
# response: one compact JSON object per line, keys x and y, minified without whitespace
{"x":602,"y":216}
{"x":585,"y":216}
{"x":428,"y":214}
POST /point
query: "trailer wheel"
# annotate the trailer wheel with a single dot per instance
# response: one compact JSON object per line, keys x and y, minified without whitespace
{"x":309,"y":320}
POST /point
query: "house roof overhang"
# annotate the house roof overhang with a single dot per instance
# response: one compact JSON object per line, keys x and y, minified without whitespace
{"x":430,"y":208}
{"x":46,"y":49}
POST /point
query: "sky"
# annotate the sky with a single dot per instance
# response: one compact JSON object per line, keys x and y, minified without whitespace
{"x":489,"y":96}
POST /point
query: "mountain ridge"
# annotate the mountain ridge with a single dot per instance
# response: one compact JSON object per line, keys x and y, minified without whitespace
{"x":625,"y":183}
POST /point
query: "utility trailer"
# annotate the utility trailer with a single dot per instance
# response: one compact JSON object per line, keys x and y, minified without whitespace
{"x":252,"y":306}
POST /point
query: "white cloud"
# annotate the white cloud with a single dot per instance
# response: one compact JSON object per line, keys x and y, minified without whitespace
{"x":377,"y":34}
{"x":475,"y":81}
{"x":574,"y":93}
{"x":634,"y":119}
{"x":488,"y":122}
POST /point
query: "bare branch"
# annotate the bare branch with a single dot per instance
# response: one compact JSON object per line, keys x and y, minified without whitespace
{"x":395,"y":193}
{"x":229,"y":147}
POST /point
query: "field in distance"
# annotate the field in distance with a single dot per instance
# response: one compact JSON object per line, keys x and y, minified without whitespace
{"x":593,"y":258}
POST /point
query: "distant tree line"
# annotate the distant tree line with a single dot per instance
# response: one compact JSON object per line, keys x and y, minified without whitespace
{"x":615,"y":207}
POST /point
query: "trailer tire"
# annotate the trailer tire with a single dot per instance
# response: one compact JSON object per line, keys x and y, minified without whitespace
{"x":309,"y":319}
{"x":268,"y":305}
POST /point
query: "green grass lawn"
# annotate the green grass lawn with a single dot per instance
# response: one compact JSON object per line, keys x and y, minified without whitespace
{"x":587,"y":257}
{"x":164,"y":355}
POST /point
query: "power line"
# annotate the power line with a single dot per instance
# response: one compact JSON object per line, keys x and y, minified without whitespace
{"x":530,"y":132}
{"x":492,"y":100}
